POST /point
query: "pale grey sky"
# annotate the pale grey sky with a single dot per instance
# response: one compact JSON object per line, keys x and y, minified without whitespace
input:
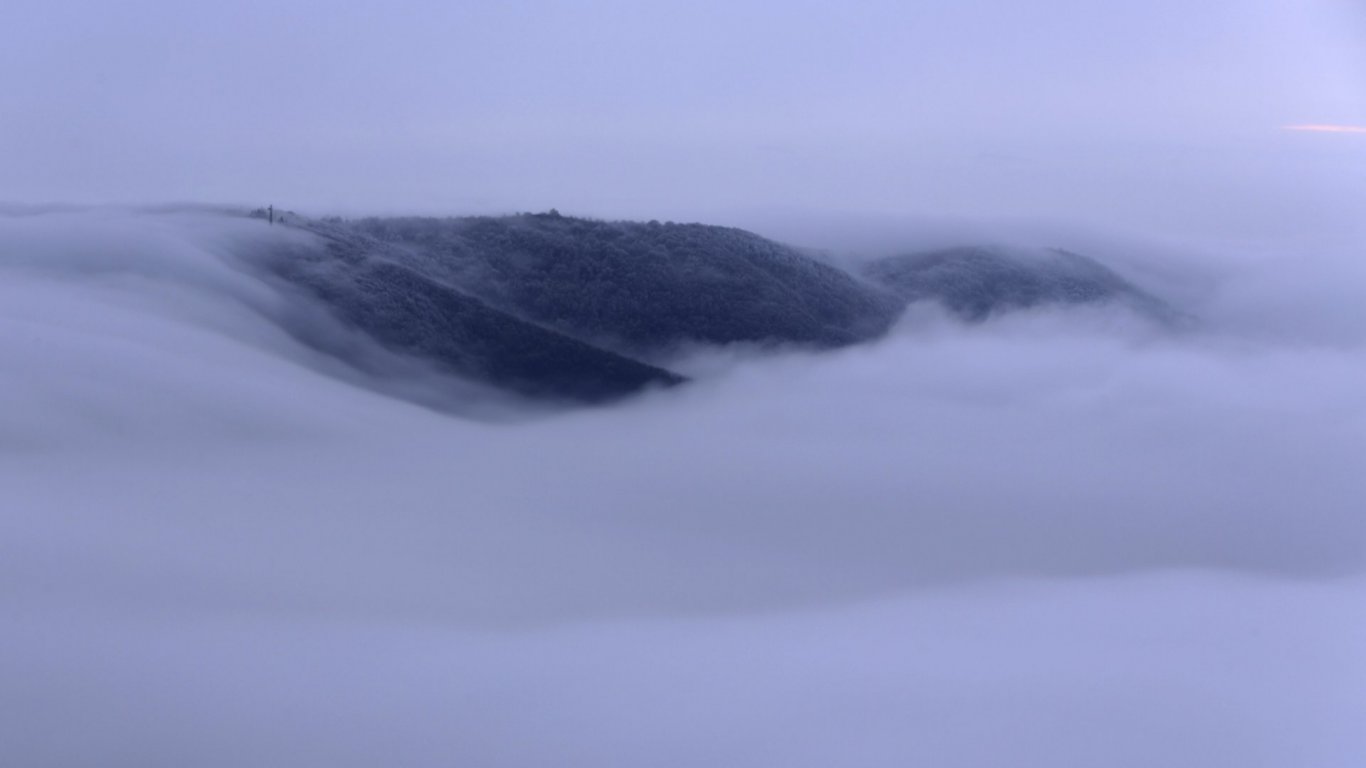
{"x":1133,"y":111}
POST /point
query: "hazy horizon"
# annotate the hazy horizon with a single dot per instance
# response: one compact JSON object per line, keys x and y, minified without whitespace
{"x":1156,"y":115}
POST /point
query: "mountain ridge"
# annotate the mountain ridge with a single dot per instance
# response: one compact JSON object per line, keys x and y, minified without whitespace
{"x":585,"y":310}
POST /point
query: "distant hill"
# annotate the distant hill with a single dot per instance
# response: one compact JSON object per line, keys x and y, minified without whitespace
{"x":977,"y":282}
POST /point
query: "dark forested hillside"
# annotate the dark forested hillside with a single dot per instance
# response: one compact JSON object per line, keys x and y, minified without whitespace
{"x":363,"y":283}
{"x":558,"y":307}
{"x":644,"y":288}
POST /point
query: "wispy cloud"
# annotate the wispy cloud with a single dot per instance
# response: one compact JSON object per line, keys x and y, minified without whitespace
{"x":1327,"y":128}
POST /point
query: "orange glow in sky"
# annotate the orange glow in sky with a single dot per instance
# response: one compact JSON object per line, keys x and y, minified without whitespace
{"x":1328,"y":128}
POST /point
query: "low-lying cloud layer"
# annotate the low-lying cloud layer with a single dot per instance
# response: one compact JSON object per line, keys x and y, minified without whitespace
{"x":1058,"y":537}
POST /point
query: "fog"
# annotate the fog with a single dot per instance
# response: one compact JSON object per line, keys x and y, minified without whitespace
{"x":1062,"y":536}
